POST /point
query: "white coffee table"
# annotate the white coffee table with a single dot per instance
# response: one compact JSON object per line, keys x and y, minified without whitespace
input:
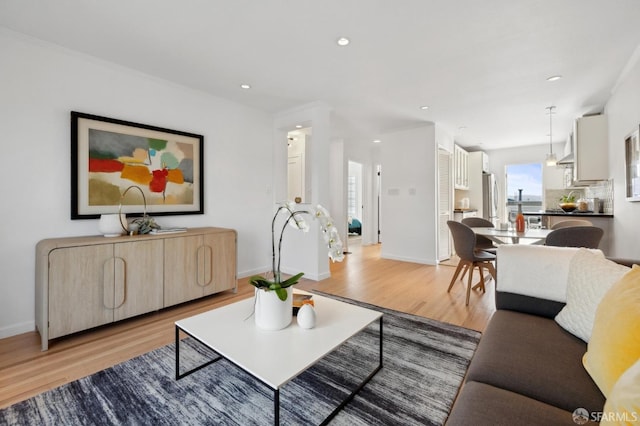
{"x":229,"y":333}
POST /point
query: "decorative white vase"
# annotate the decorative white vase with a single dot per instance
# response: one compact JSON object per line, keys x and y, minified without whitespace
{"x":306,"y":316}
{"x":110,"y":226}
{"x":271,"y":313}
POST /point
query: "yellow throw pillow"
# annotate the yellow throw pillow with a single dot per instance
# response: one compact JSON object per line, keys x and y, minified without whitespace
{"x":623,"y":405}
{"x":615,"y":340}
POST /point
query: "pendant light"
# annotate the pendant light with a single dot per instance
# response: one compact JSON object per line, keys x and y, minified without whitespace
{"x":551,"y":157}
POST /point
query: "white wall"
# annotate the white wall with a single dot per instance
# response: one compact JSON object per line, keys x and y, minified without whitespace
{"x":40,"y":85}
{"x":623,"y":111}
{"x":409,"y":200}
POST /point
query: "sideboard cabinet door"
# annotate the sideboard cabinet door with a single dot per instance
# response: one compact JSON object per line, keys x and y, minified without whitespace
{"x":199,"y":265}
{"x":222,"y":247}
{"x":79,"y":297}
{"x":138,"y":289}
{"x":180,"y":269}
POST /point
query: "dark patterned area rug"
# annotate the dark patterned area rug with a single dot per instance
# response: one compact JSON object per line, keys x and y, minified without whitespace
{"x":424,"y":364}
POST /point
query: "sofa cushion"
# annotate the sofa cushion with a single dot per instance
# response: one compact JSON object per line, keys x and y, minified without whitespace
{"x":590,"y":276}
{"x":480,"y":404}
{"x":535,"y":357}
{"x":546,"y":278}
{"x":615,"y":341}
{"x":623,"y":404}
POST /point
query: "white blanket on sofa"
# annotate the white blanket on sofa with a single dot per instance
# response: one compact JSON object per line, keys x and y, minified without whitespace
{"x":536,"y":271}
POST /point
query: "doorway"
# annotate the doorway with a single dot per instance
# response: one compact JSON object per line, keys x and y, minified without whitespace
{"x":297,"y":173}
{"x":354,"y":203}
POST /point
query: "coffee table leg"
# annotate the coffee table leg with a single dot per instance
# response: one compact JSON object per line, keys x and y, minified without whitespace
{"x":193,"y":370}
{"x":362,"y":384}
{"x":177,"y":353}
{"x":276,"y":407}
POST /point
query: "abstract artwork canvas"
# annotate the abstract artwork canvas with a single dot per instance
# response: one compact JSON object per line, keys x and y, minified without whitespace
{"x":110,"y":155}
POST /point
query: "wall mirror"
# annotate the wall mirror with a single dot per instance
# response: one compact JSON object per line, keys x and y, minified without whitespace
{"x":632,"y":165}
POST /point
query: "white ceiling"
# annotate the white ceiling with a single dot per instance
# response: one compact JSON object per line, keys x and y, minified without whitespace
{"x":477,"y":64}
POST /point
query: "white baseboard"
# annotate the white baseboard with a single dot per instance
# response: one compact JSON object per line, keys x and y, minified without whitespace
{"x":262,"y":271}
{"x":255,"y":271}
{"x":409,"y":259}
{"x":14,"y":330}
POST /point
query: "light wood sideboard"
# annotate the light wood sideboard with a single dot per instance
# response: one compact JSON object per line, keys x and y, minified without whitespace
{"x":85,"y":282}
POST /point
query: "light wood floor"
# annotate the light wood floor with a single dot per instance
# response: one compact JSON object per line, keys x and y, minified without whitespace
{"x":418,"y":289}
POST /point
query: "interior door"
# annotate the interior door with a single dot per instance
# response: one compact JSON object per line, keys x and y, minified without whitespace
{"x":295,"y":177}
{"x":444,"y":204}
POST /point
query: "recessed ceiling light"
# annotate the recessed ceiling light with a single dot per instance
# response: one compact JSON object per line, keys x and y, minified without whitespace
{"x":424,"y":107}
{"x":298,"y":126}
{"x":554,"y":78}
{"x":343,"y":41}
{"x":377,"y":141}
{"x":245,"y":86}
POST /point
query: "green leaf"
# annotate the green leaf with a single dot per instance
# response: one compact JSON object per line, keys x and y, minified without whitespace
{"x":291,"y":280}
{"x":260,"y":281}
{"x":274,"y":286}
{"x":282,"y":294}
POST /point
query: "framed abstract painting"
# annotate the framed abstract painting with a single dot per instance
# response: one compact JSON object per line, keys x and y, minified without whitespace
{"x":109,"y":155}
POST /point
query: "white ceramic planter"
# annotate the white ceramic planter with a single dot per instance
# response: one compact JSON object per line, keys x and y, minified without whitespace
{"x":110,"y":226}
{"x":271,"y":313}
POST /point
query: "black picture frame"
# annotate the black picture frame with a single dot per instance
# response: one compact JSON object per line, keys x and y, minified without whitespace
{"x":109,"y":155}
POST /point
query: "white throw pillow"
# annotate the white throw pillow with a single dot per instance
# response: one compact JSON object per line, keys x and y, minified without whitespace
{"x":590,"y":277}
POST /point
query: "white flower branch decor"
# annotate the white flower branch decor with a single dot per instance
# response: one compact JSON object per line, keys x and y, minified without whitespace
{"x":296,"y":219}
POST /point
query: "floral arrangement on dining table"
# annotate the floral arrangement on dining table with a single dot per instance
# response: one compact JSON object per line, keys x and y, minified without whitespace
{"x":296,"y":220}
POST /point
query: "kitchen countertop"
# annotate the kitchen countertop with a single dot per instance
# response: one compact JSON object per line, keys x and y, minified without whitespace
{"x":574,"y":213}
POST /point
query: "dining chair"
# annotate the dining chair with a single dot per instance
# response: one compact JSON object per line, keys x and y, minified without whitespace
{"x":575,"y":236}
{"x":464,"y":242}
{"x":482,"y":242}
{"x":571,"y":222}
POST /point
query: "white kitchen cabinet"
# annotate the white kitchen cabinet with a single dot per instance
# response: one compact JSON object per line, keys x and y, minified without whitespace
{"x":85,"y":282}
{"x":461,"y":168}
{"x":590,"y":149}
{"x":459,"y":215}
{"x":475,"y":194}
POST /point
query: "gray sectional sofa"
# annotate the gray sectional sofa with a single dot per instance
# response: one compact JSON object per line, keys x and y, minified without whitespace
{"x":527,"y":369}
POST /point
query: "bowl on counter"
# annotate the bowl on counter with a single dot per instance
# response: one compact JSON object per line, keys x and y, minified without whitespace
{"x":568,"y":207}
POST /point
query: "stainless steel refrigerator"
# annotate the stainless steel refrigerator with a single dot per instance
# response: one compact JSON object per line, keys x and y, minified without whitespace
{"x":490,"y":197}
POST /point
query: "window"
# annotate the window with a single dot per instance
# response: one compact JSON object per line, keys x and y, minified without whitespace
{"x":527,"y":177}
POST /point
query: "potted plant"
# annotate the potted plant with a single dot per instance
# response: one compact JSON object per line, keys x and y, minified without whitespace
{"x":568,"y":202}
{"x":274,"y":289}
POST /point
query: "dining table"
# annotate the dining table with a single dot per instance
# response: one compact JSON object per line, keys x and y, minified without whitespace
{"x":510,"y":236}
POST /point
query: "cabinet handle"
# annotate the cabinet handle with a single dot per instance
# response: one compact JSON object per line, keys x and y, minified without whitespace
{"x":119,"y":282}
{"x":203,"y":255}
{"x":114,"y":283}
{"x":108,"y":272}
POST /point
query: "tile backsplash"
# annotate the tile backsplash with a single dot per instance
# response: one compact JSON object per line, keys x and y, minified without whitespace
{"x":602,"y":190}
